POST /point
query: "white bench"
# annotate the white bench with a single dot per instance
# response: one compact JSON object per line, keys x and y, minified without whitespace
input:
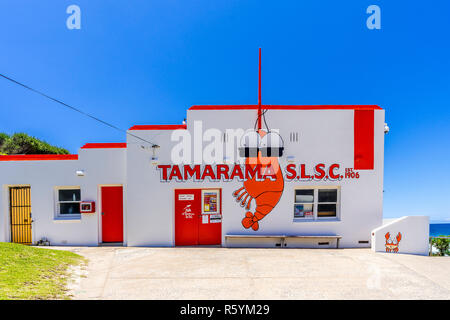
{"x":283,"y":237}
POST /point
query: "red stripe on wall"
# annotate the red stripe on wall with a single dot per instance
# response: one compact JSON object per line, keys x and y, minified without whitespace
{"x":286,"y":107}
{"x":37,"y":157}
{"x":104,"y":145}
{"x":363,"y":139}
{"x":158,"y":127}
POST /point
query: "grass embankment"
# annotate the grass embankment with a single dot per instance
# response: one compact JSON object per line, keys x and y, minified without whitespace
{"x":34,"y":273}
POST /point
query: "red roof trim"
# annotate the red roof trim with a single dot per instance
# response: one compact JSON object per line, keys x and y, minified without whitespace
{"x":159,"y":127}
{"x":103,"y":145}
{"x":37,"y":157}
{"x":287,"y":107}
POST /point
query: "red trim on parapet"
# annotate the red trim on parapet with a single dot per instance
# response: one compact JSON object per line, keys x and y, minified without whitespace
{"x":103,"y":145}
{"x":38,"y":157}
{"x":286,"y":107}
{"x":159,"y":127}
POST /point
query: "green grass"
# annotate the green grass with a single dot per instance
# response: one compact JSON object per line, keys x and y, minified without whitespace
{"x":34,"y":273}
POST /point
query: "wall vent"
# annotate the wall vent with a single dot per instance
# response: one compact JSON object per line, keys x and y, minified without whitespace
{"x":363,"y":241}
{"x":324,"y":243}
{"x":293,"y":137}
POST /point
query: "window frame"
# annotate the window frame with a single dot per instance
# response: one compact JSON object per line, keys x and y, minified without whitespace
{"x":305,"y":203}
{"x":336,"y":203}
{"x":316,"y":203}
{"x":58,"y":213}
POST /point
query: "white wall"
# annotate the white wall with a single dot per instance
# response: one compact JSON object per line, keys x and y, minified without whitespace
{"x":414,"y":232}
{"x":150,"y":219}
{"x":101,"y":166}
{"x":325,"y":136}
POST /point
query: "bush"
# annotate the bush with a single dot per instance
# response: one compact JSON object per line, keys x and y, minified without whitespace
{"x":442,"y":244}
{"x":21,"y":143}
{"x":3,"y":138}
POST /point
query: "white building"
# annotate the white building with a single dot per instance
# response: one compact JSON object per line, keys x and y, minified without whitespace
{"x":328,"y":191}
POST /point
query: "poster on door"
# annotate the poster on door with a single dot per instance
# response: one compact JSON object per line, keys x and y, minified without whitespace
{"x":185,"y":197}
{"x":210,"y":202}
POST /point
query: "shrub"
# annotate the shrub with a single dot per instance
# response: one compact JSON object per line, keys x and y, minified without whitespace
{"x":22,"y":143}
{"x":442,"y":244}
{"x":3,"y":138}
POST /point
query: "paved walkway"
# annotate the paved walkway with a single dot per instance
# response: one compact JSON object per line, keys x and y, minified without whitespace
{"x":221,"y":273}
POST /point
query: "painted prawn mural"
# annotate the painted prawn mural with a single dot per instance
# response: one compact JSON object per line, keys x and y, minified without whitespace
{"x":392,"y":244}
{"x":263,"y":150}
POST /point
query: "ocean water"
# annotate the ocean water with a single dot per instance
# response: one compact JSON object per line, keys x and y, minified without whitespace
{"x":439,"y":229}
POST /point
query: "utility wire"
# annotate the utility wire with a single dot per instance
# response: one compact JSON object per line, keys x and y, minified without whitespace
{"x":263,"y":114}
{"x":75,"y":109}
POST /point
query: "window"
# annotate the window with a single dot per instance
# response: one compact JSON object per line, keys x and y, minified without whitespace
{"x":304,"y":203}
{"x":327,"y":203}
{"x":68,"y":201}
{"x":317,"y":203}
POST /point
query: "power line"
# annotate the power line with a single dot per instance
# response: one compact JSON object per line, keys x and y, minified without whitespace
{"x":75,"y":109}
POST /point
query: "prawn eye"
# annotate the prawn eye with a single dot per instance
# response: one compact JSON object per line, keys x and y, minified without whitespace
{"x":249,"y":144}
{"x":271,"y":145}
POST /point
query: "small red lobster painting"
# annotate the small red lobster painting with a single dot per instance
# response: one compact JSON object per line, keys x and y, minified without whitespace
{"x":392,"y":244}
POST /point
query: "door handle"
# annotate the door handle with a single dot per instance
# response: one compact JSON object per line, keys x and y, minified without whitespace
{"x":103,"y":213}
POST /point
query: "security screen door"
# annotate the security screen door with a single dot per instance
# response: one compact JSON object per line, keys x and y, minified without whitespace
{"x":20,"y":214}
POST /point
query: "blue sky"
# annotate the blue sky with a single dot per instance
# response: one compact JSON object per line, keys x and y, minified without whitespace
{"x":146,"y":62}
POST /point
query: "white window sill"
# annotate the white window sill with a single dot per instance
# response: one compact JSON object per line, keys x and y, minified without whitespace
{"x":67,"y":219}
{"x":306,"y":220}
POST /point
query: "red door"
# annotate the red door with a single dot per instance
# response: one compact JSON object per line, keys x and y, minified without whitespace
{"x":191,"y":226}
{"x":187,"y":214}
{"x":112,"y":214}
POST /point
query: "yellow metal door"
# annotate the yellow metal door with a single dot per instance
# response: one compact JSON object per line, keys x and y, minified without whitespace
{"x":20,"y":209}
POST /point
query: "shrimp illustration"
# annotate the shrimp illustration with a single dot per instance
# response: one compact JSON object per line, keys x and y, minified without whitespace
{"x":266,"y":189}
{"x":391,"y":244}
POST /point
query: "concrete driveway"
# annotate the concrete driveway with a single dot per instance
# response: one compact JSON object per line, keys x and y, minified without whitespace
{"x":221,"y":273}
